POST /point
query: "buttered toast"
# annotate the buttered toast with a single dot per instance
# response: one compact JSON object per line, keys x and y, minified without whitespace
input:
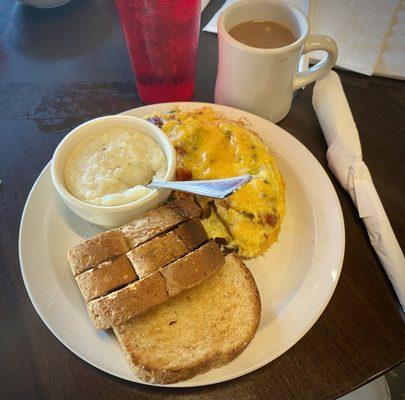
{"x":129,"y":270}
{"x":199,"y":329}
{"x":177,"y":305}
{"x":119,"y":306}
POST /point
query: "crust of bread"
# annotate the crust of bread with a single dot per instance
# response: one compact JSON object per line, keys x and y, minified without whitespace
{"x":119,"y":306}
{"x":193,"y":268}
{"x":106,"y":277}
{"x":135,"y":298}
{"x":162,"y":376}
{"x":159,"y":221}
{"x":92,"y":252}
{"x":222,"y":333}
{"x":162,"y":250}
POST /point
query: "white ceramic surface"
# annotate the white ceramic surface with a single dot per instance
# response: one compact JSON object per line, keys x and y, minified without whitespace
{"x":112,"y":216}
{"x":262,"y":81}
{"x":296,"y":277}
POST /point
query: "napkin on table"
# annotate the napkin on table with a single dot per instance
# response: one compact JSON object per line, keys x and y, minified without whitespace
{"x":392,"y":58}
{"x":346,"y":162}
{"x":359,"y":28}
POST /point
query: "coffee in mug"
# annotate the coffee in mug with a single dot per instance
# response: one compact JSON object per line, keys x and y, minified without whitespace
{"x":262,"y":34}
{"x":262,"y":78}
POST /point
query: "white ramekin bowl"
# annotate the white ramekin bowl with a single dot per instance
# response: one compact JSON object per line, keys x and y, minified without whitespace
{"x":113,"y":216}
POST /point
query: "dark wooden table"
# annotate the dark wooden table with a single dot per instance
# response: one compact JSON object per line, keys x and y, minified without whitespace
{"x":61,"y":67}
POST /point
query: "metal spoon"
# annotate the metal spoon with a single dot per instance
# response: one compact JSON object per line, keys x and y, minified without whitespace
{"x":217,"y":188}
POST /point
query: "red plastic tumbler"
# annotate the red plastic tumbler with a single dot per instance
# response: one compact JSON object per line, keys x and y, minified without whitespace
{"x":162,"y":40}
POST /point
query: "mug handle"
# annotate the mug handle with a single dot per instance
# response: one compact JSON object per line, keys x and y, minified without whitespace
{"x":321,"y":68}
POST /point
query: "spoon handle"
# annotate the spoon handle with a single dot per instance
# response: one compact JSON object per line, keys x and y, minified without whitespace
{"x":217,"y":188}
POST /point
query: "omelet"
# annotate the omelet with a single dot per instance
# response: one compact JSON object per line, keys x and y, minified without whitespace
{"x":210,"y":146}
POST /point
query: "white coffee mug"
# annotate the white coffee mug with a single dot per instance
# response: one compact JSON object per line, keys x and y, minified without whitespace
{"x":262,"y":81}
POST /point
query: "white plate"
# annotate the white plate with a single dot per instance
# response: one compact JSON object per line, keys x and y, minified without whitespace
{"x":296,"y":277}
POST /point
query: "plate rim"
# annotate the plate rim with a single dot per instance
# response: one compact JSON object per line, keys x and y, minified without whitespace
{"x":284,"y":348}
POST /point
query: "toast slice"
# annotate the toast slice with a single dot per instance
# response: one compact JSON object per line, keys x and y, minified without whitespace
{"x":141,"y":261}
{"x":193,"y":268}
{"x":135,"y":298}
{"x":92,"y":252}
{"x":192,"y":233}
{"x":106,"y":277}
{"x":199,"y":329}
{"x":110,"y":244}
{"x":159,"y":220}
{"x":119,"y":306}
{"x":163,"y":250}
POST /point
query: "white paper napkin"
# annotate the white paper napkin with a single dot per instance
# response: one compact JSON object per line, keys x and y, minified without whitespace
{"x":345,"y":160}
{"x":392,"y":58}
{"x":212,"y":25}
{"x":359,"y":28}
{"x":204,"y":3}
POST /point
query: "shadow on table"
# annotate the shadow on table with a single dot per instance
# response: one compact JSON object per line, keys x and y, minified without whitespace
{"x":63,"y":32}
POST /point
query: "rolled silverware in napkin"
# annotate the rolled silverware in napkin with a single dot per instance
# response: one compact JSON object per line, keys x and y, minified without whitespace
{"x":346,"y":162}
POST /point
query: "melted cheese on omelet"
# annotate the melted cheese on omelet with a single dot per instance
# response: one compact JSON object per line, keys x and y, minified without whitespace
{"x":210,"y":146}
